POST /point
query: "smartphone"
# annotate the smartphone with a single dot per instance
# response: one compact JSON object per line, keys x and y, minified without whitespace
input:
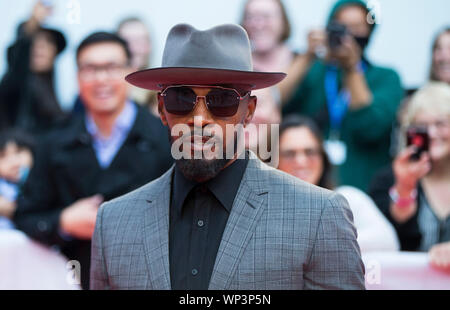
{"x":418,"y":136}
{"x":336,"y":32}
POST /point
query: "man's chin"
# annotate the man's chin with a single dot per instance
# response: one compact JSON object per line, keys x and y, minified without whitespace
{"x":201,"y":170}
{"x":104,"y":107}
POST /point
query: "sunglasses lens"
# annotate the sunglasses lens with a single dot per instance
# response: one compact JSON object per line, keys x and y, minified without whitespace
{"x":222,"y":102}
{"x":179,"y":100}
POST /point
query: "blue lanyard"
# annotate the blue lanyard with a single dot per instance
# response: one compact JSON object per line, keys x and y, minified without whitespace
{"x":337,"y":101}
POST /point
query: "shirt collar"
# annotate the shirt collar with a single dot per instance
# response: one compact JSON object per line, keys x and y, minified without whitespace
{"x":224,"y":186}
{"x":123,"y":122}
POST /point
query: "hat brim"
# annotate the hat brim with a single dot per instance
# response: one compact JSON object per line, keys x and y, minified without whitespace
{"x":159,"y":78}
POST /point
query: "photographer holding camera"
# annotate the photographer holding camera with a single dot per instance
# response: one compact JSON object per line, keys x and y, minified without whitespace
{"x":353,"y":101}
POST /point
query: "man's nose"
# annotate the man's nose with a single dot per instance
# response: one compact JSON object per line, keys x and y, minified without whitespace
{"x":301,"y":159}
{"x":101,"y":76}
{"x":201,"y":113}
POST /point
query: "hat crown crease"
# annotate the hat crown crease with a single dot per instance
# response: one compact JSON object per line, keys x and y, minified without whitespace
{"x":216,"y":48}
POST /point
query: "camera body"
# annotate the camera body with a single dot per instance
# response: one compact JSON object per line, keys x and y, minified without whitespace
{"x":336,"y":32}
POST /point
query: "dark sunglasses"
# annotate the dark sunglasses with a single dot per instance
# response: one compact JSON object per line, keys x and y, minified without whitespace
{"x":220,"y":101}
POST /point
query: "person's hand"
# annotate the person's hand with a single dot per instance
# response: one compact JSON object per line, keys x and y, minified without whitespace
{"x":407,"y":173}
{"x":348,"y":54}
{"x":7,"y":207}
{"x":440,"y":256}
{"x":38,"y":15}
{"x":40,"y":12}
{"x":301,"y":64}
{"x":78,"y":220}
{"x":317,"y":39}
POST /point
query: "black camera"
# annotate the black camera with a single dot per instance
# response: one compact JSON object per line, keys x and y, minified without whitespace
{"x":336,"y":32}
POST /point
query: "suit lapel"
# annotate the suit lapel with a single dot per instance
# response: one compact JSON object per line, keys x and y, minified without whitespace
{"x":248,"y":206}
{"x":156,"y":234}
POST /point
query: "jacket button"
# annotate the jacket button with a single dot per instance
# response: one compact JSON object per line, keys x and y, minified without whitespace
{"x":42,"y":226}
{"x":143,"y":146}
{"x":194,"y":272}
{"x":85,"y":138}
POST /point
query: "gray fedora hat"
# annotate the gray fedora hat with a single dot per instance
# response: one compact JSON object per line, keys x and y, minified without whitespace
{"x":220,"y":55}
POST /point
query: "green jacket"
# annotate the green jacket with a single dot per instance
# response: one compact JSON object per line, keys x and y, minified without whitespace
{"x":366,"y":131}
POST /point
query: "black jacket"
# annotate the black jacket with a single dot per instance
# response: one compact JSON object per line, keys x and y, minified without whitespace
{"x":27,"y":99}
{"x":66,"y":169}
{"x":408,"y":233}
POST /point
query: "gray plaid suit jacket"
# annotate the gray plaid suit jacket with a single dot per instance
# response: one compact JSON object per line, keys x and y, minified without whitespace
{"x":282,"y":233}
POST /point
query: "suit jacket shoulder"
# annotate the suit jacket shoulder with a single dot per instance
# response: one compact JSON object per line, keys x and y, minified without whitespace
{"x":138,"y":198}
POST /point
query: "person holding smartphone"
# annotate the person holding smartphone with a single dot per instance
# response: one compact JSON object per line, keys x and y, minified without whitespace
{"x":414,"y":193}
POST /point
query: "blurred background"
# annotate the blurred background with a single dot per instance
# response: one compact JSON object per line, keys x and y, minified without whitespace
{"x":402,"y":41}
{"x":371,"y":122}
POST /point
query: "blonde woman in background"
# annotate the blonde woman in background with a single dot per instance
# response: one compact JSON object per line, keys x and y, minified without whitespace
{"x":414,"y":194}
{"x":268,"y":28}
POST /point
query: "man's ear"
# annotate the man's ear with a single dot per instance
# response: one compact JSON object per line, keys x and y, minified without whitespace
{"x":251,"y":106}
{"x":162,"y":112}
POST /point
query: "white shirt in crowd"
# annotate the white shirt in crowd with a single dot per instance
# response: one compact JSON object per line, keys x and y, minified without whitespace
{"x":375,"y":233}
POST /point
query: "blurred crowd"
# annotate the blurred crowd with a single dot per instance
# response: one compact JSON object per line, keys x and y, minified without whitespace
{"x":346,"y":124}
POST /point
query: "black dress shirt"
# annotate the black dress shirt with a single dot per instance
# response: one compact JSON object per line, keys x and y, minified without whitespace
{"x":198,"y":216}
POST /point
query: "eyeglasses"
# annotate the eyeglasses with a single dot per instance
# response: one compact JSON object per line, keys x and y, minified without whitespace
{"x":439,"y":124}
{"x":310,"y":153}
{"x":89,"y":72}
{"x":220,"y":101}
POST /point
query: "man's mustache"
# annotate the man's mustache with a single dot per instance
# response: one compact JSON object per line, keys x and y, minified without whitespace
{"x":204,"y":135}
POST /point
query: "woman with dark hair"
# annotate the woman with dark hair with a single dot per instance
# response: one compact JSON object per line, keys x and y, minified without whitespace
{"x":440,"y":66}
{"x":27,"y":95}
{"x":302,"y":155}
{"x":268,"y":28}
{"x":319,"y":168}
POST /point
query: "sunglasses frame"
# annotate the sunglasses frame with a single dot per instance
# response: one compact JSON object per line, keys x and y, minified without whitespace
{"x":239,"y":97}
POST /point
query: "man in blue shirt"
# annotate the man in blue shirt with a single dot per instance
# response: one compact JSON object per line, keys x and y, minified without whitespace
{"x":113,"y":147}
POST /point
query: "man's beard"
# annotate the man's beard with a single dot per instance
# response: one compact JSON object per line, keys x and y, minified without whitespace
{"x":201,"y":170}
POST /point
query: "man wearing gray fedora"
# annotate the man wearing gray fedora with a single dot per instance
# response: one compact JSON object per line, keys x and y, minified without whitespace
{"x":214,"y":222}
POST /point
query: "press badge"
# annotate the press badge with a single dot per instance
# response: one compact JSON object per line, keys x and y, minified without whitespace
{"x":336,"y":151}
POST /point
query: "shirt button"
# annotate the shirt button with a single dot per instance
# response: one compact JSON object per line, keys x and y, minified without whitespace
{"x":202,"y":189}
{"x":194,"y":272}
{"x":200,"y":223}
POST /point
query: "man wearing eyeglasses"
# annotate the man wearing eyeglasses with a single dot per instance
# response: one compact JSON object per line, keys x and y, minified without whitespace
{"x":225,"y":221}
{"x":115,"y":146}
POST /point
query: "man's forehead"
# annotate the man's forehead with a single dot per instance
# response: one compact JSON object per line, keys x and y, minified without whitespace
{"x":102,"y":52}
